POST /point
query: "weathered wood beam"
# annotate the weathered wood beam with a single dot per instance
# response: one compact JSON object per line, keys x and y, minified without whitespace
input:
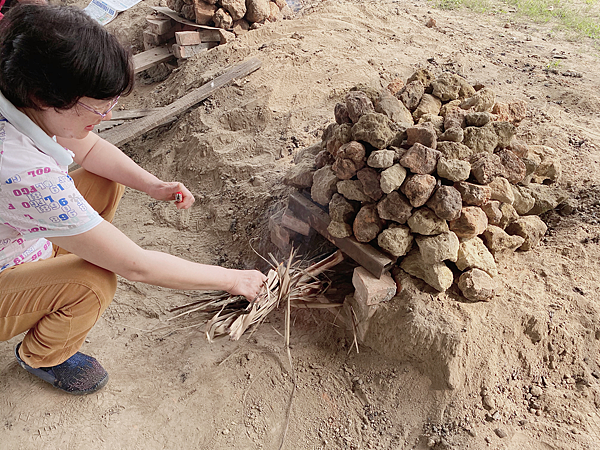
{"x":128,"y":114}
{"x":367,"y":256}
{"x":107,"y":125}
{"x":121,"y":135}
{"x":150,"y":58}
{"x":119,"y":118}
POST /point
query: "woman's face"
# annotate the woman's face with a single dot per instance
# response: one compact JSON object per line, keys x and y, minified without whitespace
{"x":75,"y":122}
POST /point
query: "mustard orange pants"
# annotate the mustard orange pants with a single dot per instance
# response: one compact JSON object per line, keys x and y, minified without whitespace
{"x":58,"y":300}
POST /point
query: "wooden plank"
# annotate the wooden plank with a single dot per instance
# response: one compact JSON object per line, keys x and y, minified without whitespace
{"x":367,"y":256}
{"x":128,"y":114}
{"x":102,"y":132}
{"x":140,"y":126}
{"x":151,"y":58}
{"x":119,"y":118}
{"x":107,"y":125}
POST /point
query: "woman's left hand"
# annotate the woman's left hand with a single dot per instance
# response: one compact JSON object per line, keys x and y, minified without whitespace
{"x":249,"y":283}
{"x":168,"y":191}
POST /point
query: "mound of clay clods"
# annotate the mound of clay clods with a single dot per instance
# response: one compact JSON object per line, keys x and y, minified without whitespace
{"x":431,"y":172}
{"x":237,"y":14}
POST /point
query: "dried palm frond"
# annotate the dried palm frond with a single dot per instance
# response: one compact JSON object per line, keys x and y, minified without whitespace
{"x":287,"y":282}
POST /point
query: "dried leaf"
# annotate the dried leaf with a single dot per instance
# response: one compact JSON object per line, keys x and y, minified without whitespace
{"x":299,"y":288}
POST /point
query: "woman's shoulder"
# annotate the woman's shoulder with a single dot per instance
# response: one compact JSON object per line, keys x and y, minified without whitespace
{"x":18,"y":152}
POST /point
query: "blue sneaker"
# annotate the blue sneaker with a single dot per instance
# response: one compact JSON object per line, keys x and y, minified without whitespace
{"x":78,"y":375}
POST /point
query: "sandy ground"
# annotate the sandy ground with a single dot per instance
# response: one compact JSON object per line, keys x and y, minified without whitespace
{"x":433,"y":371}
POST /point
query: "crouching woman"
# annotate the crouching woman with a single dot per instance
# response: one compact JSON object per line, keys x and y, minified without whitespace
{"x":61,"y":73}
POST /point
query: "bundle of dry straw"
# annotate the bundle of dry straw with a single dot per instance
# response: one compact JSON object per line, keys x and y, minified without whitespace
{"x":286,"y":283}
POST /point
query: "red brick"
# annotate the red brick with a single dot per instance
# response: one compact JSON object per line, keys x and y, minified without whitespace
{"x":356,"y":317}
{"x":187,"y":51}
{"x":154,"y":40}
{"x":371,"y":290}
{"x":160,"y":26}
{"x":187,"y":38}
{"x":280,"y":236}
{"x":289,"y":221}
{"x":362,"y":311}
{"x":226,"y":36}
{"x":210,"y":35}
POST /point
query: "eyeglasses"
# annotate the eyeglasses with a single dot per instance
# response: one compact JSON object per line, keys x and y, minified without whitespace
{"x":113,"y":103}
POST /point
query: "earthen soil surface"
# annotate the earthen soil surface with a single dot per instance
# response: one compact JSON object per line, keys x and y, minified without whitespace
{"x":518,"y":372}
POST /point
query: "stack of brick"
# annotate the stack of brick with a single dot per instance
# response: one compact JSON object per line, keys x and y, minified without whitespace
{"x":184,"y":40}
{"x":190,"y":43}
{"x":430,"y":171}
{"x":160,"y":31}
{"x":236,"y":15}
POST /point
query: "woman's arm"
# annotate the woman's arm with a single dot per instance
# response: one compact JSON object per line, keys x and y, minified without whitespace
{"x":107,"y":247}
{"x":98,"y":156}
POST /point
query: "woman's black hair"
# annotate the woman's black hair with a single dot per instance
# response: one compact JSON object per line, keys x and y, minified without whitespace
{"x":51,"y":56}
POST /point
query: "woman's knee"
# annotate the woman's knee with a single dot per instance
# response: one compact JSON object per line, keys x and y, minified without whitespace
{"x":100,"y":283}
